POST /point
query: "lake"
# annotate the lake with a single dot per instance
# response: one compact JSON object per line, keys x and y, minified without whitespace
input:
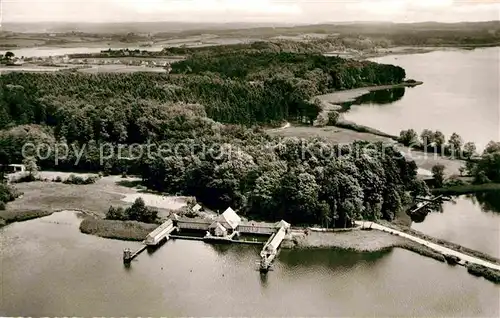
{"x":459,"y":94}
{"x":472,"y":221}
{"x":50,"y":269}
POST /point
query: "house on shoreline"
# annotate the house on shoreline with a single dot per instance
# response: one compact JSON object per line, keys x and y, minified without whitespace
{"x":225,"y":224}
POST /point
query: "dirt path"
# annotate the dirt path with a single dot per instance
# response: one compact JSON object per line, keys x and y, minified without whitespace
{"x":436,"y":247}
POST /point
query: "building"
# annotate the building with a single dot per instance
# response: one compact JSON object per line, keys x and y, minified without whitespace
{"x":159,"y":233}
{"x":196,"y":224}
{"x":196,"y":208}
{"x":13,"y":168}
{"x":217,"y":229}
{"x":228,"y":220}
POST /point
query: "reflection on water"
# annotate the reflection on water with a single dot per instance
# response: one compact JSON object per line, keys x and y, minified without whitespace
{"x":489,"y":201}
{"x":457,"y":85}
{"x":381,"y":97}
{"x":469,"y":220}
{"x":56,"y":270}
{"x":335,"y":259}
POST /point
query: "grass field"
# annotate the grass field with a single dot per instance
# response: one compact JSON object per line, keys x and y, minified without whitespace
{"x":331,"y":134}
{"x":129,"y":231}
{"x":94,"y":199}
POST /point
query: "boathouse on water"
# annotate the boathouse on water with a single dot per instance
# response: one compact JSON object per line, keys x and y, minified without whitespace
{"x":225,"y":224}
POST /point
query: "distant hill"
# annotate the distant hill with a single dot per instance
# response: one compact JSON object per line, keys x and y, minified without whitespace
{"x":176,"y":27}
{"x":126,"y":27}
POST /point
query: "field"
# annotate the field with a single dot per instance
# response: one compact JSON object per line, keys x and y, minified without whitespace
{"x":120,"y":69}
{"x":94,"y":199}
{"x":333,"y":134}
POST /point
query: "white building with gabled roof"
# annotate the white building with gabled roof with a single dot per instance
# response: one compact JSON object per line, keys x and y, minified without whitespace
{"x":229,"y":219}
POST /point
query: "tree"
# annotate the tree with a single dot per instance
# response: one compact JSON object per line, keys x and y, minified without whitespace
{"x":427,"y":137}
{"x":469,"y":150}
{"x":116,"y":214}
{"x":31,"y":167}
{"x":408,"y":137}
{"x":462,"y":170}
{"x":333,"y":117}
{"x":438,"y":174}
{"x":9,"y":55}
{"x":439,"y":139}
{"x":455,"y":144}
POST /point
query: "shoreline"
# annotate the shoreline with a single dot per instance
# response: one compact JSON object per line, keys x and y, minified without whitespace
{"x":332,"y":100}
{"x":407,"y":50}
{"x":357,"y":240}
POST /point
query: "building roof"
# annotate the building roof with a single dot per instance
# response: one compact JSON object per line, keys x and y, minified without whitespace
{"x":281,"y":224}
{"x":230,"y":218}
{"x":216,"y":225}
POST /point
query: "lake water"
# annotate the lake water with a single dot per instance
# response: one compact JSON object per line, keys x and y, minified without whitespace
{"x":50,"y":269}
{"x":460,"y":94}
{"x":472,"y":221}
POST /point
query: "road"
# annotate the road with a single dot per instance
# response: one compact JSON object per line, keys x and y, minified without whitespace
{"x":436,"y":247}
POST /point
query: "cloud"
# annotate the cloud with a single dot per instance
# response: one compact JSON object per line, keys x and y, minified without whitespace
{"x":300,"y":11}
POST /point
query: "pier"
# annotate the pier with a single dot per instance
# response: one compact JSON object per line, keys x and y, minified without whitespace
{"x":428,"y":202}
{"x":270,"y":249}
{"x":158,"y":235}
{"x":226,"y":228}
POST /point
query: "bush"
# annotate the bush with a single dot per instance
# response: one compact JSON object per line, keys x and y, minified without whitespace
{"x":454,"y":181}
{"x":133,"y":231}
{"x":137,"y":212}
{"x":58,"y":179}
{"x":2,"y":206}
{"x":11,"y":216}
{"x":482,"y":271}
{"x":8,"y":194}
{"x":73,"y":179}
{"x":26,"y":178}
{"x":333,"y":118}
{"x":116,"y":214}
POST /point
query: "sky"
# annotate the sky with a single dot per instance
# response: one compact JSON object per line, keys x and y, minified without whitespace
{"x":284,"y":11}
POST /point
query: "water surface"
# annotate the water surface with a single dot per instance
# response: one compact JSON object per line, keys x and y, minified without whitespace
{"x":472,"y":221}
{"x":460,"y":94}
{"x":50,"y":269}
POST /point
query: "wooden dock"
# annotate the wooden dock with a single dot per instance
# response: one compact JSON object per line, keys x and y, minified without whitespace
{"x":129,"y":256}
{"x":428,"y":201}
{"x":268,"y":253}
{"x":270,"y":249}
{"x":185,"y":237}
{"x":154,"y":238}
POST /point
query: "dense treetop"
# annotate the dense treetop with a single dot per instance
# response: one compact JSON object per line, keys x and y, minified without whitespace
{"x":206,"y":106}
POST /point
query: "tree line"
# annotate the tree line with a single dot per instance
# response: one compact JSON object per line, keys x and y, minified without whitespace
{"x":214,"y":107}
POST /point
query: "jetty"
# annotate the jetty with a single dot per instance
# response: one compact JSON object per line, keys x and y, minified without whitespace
{"x":271,"y":248}
{"x":160,"y":234}
{"x":425,"y":202}
{"x":225,"y":228}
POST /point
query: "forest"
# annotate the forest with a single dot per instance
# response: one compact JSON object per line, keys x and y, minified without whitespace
{"x":203,"y":128}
